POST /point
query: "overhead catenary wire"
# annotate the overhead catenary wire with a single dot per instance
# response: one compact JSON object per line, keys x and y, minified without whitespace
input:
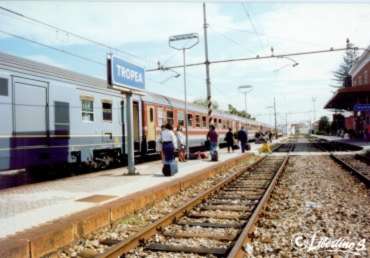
{"x":58,"y":29}
{"x":87,"y":59}
{"x":252,"y":24}
{"x":52,"y":47}
{"x":258,"y":57}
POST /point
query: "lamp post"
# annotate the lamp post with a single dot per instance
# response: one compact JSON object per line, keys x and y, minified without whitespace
{"x":184,"y":48}
{"x":245,"y":89}
{"x":275,"y":121}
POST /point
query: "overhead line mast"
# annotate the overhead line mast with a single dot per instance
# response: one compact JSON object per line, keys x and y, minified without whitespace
{"x":208,"y":80}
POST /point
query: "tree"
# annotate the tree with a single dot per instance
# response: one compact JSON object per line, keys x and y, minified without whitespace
{"x":324,"y":125}
{"x":204,"y":103}
{"x":349,"y":58}
{"x":232,"y":110}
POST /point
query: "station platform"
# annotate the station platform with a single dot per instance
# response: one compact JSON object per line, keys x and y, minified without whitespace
{"x":27,"y":206}
{"x":361,"y":143}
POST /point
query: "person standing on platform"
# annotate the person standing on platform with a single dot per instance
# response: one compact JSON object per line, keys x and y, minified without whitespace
{"x":181,"y":144}
{"x":229,"y":139}
{"x":270,"y":136}
{"x":243,"y":139}
{"x":212,"y":137}
{"x":169,"y":144}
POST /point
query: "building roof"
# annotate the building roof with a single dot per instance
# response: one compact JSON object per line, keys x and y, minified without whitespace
{"x":361,"y":62}
{"x":346,"y":98}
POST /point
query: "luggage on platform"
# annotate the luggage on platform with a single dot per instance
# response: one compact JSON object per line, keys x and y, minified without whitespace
{"x":214,"y":155}
{"x":247,"y":147}
{"x":169,"y":169}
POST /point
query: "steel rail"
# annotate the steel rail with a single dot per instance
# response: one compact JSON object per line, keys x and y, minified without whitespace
{"x":239,"y":249}
{"x":151,"y":230}
{"x":350,"y":168}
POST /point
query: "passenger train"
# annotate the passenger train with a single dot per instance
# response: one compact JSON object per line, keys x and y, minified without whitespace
{"x":52,"y":116}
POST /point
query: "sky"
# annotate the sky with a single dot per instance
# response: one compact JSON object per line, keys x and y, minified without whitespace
{"x":236,"y":29}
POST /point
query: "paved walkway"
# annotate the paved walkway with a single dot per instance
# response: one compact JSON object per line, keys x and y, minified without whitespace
{"x":27,"y":206}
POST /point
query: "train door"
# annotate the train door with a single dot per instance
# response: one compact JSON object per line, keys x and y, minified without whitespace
{"x":150,"y":123}
{"x":30,"y":107}
{"x":30,"y":123}
{"x":136,"y":124}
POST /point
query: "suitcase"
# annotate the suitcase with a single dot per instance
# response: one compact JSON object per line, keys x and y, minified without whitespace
{"x":236,"y":147}
{"x":214,"y":156}
{"x":247,"y":147}
{"x":170,"y":169}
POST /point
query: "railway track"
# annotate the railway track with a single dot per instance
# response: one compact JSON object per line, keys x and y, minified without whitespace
{"x":216,"y":223}
{"x":356,"y":165}
{"x":284,"y":147}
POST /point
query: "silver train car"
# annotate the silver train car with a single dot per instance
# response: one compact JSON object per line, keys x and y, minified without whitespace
{"x":51,"y":116}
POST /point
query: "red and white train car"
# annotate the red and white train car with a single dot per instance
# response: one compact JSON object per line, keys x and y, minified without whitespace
{"x":159,"y":110}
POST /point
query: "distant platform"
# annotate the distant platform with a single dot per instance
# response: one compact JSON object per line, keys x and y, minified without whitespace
{"x":361,"y":143}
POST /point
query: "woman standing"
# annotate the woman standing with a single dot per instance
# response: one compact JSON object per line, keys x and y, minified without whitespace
{"x":212,"y":137}
{"x":180,"y":144}
{"x":229,"y":139}
{"x":169,"y":144}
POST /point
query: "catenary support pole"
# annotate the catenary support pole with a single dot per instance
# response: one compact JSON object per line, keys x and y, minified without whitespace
{"x":208,"y":80}
{"x":245,"y":103}
{"x":129,"y":134}
{"x":276,"y":133}
{"x":186,"y":106}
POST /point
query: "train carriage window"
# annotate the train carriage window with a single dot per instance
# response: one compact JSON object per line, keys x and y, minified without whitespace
{"x":87,"y":109}
{"x":169,"y":117}
{"x":61,"y":114}
{"x":107,"y":111}
{"x":180,"y":118}
{"x":190,"y":120}
{"x":3,"y":87}
{"x":197,"y":121}
{"x":204,"y":121}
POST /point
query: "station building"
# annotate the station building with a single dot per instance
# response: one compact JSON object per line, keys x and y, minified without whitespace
{"x":354,"y":98}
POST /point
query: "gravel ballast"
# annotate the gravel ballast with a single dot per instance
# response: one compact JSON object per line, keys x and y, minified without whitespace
{"x":315,"y":199}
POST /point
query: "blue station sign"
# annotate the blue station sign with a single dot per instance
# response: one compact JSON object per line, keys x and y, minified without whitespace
{"x":361,"y":107}
{"x":127,"y":75}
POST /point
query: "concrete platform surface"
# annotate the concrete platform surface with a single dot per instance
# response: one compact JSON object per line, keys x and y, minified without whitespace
{"x":27,"y":206}
{"x":362,"y":143}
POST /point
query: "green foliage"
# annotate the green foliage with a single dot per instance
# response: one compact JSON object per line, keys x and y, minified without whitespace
{"x":232,"y":110}
{"x":349,"y":59}
{"x":204,"y":103}
{"x":324,"y":125}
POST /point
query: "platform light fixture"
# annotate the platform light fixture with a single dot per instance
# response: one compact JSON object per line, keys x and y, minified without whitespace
{"x":171,"y":40}
{"x":245,"y":89}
